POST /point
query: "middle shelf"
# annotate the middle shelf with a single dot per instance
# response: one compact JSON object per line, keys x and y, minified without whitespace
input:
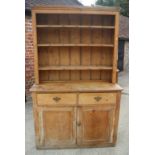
{"x":76,"y":26}
{"x":89,"y":45}
{"x":76,"y":68}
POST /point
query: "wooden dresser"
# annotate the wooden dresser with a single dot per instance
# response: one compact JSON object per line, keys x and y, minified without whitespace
{"x":76,"y":98}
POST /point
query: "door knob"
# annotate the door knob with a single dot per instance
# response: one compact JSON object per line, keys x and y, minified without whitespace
{"x":78,"y":123}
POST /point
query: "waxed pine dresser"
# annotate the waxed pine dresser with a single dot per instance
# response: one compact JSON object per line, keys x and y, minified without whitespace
{"x":76,"y":98}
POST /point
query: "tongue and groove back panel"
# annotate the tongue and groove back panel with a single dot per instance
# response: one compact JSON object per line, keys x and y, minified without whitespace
{"x":75,"y":56}
{"x":85,"y":42}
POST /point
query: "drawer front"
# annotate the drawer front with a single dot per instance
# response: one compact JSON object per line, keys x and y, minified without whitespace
{"x":56,"y":99}
{"x":97,"y":98}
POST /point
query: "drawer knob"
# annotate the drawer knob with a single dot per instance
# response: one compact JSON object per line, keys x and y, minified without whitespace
{"x":56,"y":99}
{"x":97,"y":98}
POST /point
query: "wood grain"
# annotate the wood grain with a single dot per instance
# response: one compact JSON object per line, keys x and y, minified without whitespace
{"x":115,"y":53}
{"x":36,"y":72}
{"x":85,"y":61}
{"x":64,"y":60}
{"x":96,"y":61}
{"x":74,"y":61}
{"x":76,"y":86}
{"x":94,"y":126}
{"x":56,"y":99}
{"x":59,"y":127}
{"x":97,"y":98}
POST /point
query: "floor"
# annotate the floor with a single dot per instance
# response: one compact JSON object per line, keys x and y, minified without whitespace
{"x":122,"y":147}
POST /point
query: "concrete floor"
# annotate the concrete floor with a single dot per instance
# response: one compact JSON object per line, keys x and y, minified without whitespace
{"x":122,"y":147}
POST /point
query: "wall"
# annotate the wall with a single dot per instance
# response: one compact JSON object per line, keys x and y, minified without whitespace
{"x":29,"y":56}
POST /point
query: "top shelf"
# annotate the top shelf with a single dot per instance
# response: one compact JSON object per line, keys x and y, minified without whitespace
{"x":75,"y":26}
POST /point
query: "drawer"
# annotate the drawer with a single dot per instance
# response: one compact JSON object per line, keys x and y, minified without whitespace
{"x":56,"y":99}
{"x":97,"y":98}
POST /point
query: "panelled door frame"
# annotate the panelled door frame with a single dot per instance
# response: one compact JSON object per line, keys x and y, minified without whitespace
{"x":80,"y":124}
{"x":41,"y":111}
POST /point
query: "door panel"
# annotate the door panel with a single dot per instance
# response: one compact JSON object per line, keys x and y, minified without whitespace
{"x":57,"y":127}
{"x":94,"y":124}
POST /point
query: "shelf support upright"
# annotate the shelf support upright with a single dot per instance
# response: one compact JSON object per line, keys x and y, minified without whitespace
{"x":115,"y":51}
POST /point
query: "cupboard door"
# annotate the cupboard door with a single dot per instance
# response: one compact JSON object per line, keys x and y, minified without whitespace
{"x":95,"y":125}
{"x":57,"y":127}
